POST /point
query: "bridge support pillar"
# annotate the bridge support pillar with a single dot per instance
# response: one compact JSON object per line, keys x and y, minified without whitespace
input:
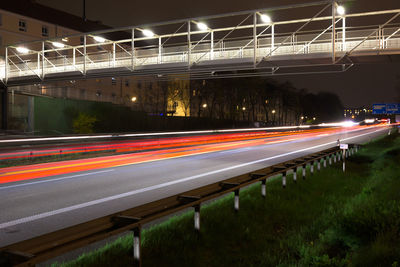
{"x":263,"y":188}
{"x":4,"y":107}
{"x":284,"y":179}
{"x":236,"y":204}
{"x":197,"y":218}
{"x":136,"y":247}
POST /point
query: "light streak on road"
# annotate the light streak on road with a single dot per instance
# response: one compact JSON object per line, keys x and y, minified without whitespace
{"x":192,"y":146}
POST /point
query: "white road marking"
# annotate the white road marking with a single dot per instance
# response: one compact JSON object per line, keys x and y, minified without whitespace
{"x":158,"y":186}
{"x":56,"y":179}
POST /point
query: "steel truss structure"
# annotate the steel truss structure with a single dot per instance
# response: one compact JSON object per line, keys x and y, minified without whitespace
{"x":248,"y":43}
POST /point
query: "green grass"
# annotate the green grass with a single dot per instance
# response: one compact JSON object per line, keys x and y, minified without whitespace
{"x":330,"y":219}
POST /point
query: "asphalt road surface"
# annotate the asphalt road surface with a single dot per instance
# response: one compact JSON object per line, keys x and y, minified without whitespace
{"x":34,"y":207}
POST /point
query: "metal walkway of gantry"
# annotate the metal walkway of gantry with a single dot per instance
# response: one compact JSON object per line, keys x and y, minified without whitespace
{"x":230,"y":45}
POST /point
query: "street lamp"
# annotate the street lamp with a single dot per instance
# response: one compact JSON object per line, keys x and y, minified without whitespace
{"x":202,"y":26}
{"x":302,"y":117}
{"x":99,"y":39}
{"x":265,"y":18}
{"x":340,"y":10}
{"x":58,"y":44}
{"x":148,"y":33}
{"x":204,"y":105}
{"x":133,"y":99}
{"x":314,"y":119}
{"x":22,"y":50}
{"x":273,"y":111}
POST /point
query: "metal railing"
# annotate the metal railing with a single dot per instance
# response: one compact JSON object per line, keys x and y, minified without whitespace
{"x":249,"y":42}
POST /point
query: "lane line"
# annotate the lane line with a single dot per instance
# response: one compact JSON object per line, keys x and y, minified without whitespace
{"x":158,"y":186}
{"x":56,"y":179}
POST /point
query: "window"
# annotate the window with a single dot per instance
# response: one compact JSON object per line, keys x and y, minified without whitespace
{"x":22,"y":25}
{"x":126,"y":83}
{"x":113,"y":81}
{"x":45,"y":31}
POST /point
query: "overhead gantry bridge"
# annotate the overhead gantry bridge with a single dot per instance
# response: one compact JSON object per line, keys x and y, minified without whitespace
{"x":235,"y":44}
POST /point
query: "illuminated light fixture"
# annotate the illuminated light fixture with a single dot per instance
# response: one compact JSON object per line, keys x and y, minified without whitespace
{"x":204,"y":105}
{"x":244,"y":108}
{"x":273,"y":111}
{"x":133,"y":99}
{"x":148,"y":33}
{"x":202,"y":26}
{"x":265,"y":18}
{"x":22,"y":50}
{"x":340,"y":10}
{"x":65,"y":39}
{"x":58,"y":44}
{"x":99,"y":39}
{"x":302,"y":117}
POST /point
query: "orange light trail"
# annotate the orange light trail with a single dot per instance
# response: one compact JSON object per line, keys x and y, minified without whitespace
{"x":196,"y":147}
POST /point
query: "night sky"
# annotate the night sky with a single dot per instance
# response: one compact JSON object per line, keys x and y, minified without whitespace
{"x":362,"y":85}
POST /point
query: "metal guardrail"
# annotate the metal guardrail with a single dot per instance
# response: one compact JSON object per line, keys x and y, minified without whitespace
{"x":41,"y":248}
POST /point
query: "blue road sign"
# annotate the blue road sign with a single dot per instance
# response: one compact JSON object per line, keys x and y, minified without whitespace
{"x":379,"y":109}
{"x":392,"y":108}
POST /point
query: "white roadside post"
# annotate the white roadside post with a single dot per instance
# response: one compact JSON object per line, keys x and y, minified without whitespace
{"x":197,"y":218}
{"x":236,"y":204}
{"x":344,"y":148}
{"x":295,"y":174}
{"x":284,"y":179}
{"x":263,"y":188}
{"x":136,"y":246}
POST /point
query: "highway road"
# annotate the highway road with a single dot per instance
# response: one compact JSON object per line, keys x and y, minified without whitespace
{"x":43,"y":198}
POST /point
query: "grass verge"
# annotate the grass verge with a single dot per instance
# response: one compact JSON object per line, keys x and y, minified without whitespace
{"x":330,"y":219}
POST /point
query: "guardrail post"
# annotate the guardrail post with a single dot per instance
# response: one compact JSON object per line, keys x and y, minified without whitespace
{"x":325,"y":160}
{"x":319,"y":164}
{"x":344,"y":160}
{"x":304,"y":171}
{"x":295,"y":175}
{"x":236,"y":204}
{"x":263,"y":188}
{"x":330,"y":159}
{"x":312,"y":167}
{"x":197,"y":218}
{"x":136,"y":247}
{"x":284,"y":179}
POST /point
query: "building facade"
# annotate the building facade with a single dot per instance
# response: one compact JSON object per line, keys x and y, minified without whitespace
{"x":24,"y":21}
